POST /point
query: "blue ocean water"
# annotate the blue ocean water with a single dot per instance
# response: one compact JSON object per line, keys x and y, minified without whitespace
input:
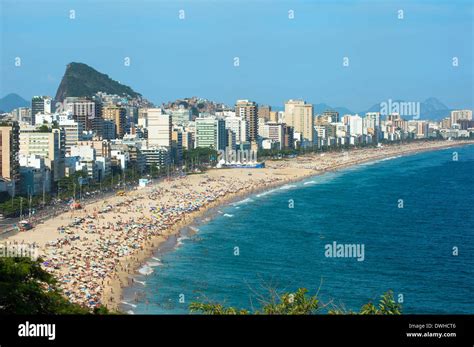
{"x":408,"y":250}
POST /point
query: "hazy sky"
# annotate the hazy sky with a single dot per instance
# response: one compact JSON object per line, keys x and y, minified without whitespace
{"x":280,"y":58}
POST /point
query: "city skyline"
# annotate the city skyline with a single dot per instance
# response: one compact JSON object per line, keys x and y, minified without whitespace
{"x":263,"y":51}
{"x":163,"y":158}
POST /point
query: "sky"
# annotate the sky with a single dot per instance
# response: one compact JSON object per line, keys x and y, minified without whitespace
{"x":280,"y":57}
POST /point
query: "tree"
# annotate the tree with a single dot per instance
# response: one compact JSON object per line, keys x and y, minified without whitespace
{"x":43,"y":129}
{"x":25,"y":288}
{"x":197,"y":157}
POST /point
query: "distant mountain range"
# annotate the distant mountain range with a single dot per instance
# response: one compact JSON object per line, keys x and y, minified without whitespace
{"x":82,"y":80}
{"x":12,"y":101}
{"x":431,"y":108}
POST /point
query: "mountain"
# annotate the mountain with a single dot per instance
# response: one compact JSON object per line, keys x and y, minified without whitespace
{"x":431,"y":109}
{"x":82,"y":80}
{"x":434,"y":109}
{"x":11,"y":101}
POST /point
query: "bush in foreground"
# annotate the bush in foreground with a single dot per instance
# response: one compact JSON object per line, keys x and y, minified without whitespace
{"x":299,"y":303}
{"x":26,"y":288}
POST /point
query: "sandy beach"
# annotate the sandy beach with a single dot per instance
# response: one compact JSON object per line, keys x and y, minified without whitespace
{"x":94,"y":252}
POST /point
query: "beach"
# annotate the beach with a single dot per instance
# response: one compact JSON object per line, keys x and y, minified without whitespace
{"x":94,"y":252}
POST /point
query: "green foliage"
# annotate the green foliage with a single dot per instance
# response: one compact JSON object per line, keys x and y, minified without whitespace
{"x":25,"y":288}
{"x":12,"y":207}
{"x":4,"y":196}
{"x":43,"y":129}
{"x":200,"y":158}
{"x":215,"y":309}
{"x":386,"y":306}
{"x":297,"y":303}
{"x":272,"y":153}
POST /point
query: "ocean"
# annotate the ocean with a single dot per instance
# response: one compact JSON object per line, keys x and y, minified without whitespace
{"x":413,"y":215}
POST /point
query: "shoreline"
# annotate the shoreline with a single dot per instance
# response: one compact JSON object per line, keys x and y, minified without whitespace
{"x":106,"y":274}
{"x":212,"y":210}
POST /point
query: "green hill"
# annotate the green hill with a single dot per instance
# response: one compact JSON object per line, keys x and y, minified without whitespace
{"x":82,"y":80}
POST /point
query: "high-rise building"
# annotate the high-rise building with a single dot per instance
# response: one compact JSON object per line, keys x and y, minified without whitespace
{"x":231,"y":142}
{"x":72,"y":132}
{"x":142,"y":118}
{"x":371,"y":125}
{"x":465,"y":124}
{"x":457,"y":115}
{"x":86,"y":112}
{"x":10,"y":145}
{"x":177,"y":146}
{"x":273,"y":116}
{"x":118,"y":115}
{"x":22,"y":115}
{"x":49,"y":145}
{"x":446,"y":123}
{"x":275,"y":132}
{"x":238,"y":126}
{"x":299,"y":115}
{"x":248,"y":111}
{"x":264,"y":112}
{"x":288,"y":137}
{"x":187,"y":136}
{"x":321,"y":132}
{"x":41,"y":104}
{"x":156,"y":157}
{"x":35,"y":176}
{"x":355,"y":125}
{"x":421,"y":129}
{"x":108,"y":129}
{"x":131,"y":114}
{"x":180,"y":116}
{"x":331,"y":116}
{"x":210,"y":132}
{"x":159,"y":128}
{"x":87,"y":159}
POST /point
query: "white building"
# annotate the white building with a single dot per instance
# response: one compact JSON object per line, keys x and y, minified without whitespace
{"x":73,"y":133}
{"x":157,"y":157}
{"x":159,"y":128}
{"x":274,"y":132}
{"x":87,"y":161}
{"x":123,"y":157}
{"x":238,"y":125}
{"x":181,"y":116}
{"x":49,"y":118}
{"x":355,"y":125}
